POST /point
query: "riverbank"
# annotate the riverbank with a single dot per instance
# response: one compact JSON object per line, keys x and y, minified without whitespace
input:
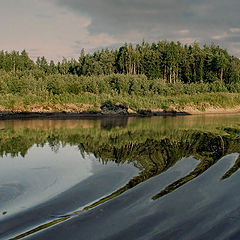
{"x":89,"y":105}
{"x":79,"y":115}
{"x":10,"y":115}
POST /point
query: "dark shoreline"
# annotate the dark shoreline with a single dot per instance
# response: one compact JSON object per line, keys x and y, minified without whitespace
{"x":79,"y":115}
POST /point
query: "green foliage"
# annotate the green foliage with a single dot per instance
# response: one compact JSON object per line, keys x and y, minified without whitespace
{"x":170,"y":61}
{"x":142,"y":77}
{"x":143,"y":112}
{"x":134,"y":91}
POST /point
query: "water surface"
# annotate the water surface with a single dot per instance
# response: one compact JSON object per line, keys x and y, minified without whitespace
{"x":125,"y":178}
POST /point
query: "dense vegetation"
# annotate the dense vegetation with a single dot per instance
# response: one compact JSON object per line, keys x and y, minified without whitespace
{"x":144,"y":76}
{"x":172,"y":62}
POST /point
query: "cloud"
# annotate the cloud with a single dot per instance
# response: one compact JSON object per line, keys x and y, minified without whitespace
{"x":62,"y":28}
{"x":183,"y":31}
{"x":235,"y":30}
{"x":121,"y":16}
{"x":116,"y":17}
{"x":100,"y":40}
{"x":231,"y":36}
{"x":153,"y":20}
{"x":219,"y":37}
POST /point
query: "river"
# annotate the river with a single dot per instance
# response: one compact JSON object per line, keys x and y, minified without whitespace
{"x":121,"y":178}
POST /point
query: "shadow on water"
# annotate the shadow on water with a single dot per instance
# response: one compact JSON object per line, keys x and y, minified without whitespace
{"x":109,"y":123}
{"x":151,"y":145}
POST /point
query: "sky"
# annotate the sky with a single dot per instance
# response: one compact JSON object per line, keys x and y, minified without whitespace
{"x":61,"y":28}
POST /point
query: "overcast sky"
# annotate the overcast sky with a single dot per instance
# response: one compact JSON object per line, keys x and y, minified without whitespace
{"x":57,"y":28}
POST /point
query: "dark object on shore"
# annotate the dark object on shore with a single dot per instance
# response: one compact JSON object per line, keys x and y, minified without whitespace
{"x":110,"y":108}
{"x":145,"y":112}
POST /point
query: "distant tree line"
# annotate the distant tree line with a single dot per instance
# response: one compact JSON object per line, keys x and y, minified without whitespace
{"x":169,"y":61}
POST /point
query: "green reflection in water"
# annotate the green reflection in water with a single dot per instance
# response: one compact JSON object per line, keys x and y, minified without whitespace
{"x":153,"y":145}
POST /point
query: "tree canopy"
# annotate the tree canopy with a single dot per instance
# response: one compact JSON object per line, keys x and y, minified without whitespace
{"x":170,"y":61}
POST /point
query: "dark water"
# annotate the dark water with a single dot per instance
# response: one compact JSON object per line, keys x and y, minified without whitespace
{"x":143,"y":178}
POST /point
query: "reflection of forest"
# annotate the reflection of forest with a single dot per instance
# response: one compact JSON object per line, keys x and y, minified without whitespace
{"x":151,"y":148}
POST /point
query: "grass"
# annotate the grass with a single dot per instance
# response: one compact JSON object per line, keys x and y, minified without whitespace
{"x":57,"y":92}
{"x":92,"y":102}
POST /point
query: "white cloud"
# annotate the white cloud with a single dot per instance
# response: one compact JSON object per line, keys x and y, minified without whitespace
{"x":183,"y":31}
{"x":219,"y":37}
{"x":235,"y":30}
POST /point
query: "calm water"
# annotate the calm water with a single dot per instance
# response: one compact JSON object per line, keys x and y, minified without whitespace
{"x":121,"y":178}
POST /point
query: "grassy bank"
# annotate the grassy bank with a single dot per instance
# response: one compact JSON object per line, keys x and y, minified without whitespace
{"x":29,"y":91}
{"x":91,"y":102}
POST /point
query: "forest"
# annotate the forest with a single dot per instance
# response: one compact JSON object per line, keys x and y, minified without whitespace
{"x":163,"y":69}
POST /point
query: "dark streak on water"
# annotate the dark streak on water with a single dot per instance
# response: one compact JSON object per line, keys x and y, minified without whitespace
{"x":157,"y":178}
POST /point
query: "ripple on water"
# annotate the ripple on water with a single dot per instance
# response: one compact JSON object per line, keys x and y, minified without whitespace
{"x":10,"y":191}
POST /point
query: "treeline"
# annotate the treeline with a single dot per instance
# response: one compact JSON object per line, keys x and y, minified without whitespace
{"x":168,"y":61}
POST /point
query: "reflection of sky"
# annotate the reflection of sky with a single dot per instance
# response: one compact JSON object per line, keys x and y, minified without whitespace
{"x":41,"y":175}
{"x":204,"y":205}
{"x":186,"y":201}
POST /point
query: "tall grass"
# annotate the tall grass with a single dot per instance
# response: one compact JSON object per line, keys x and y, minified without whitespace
{"x":22,"y":89}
